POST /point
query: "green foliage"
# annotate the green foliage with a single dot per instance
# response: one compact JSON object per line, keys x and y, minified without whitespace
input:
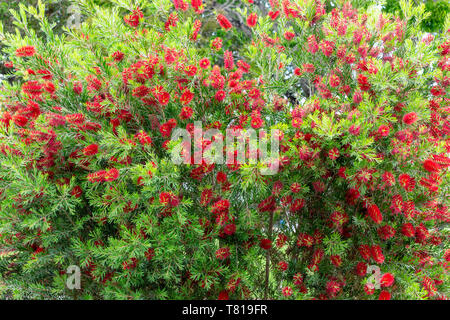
{"x":87,"y":178}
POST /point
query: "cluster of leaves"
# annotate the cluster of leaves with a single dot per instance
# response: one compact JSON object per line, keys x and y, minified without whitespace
{"x":56,"y":12}
{"x":87,"y":176}
{"x":438,"y":11}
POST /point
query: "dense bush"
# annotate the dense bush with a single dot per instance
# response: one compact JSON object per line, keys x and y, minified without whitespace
{"x":87,"y":176}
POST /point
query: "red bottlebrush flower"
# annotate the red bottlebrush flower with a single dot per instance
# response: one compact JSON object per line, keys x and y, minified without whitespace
{"x":336,"y":260}
{"x":377,"y":254}
{"x":141,"y":91}
{"x":186,"y":97}
{"x":357,"y":97}
{"x":252,"y":19}
{"x":369,"y":288}
{"x":387,"y":280}
{"x":33,"y":110}
{"x":228,"y":60}
{"x":429,"y":285}
{"x":45,"y":74}
{"x":186,"y":113}
{"x":163,"y":98}
{"x":409,"y":209}
{"x":254,"y":93}
{"x":361,"y":269}
{"x":333,"y":154}
{"x":354,"y":130}
{"x":118,"y":56}
{"x":408,"y":230}
{"x":221,"y":177}
{"x":112,"y":174}
{"x":297,"y":122}
{"x":196,"y":4}
{"x":256,"y":122}
{"x":431,"y":166}
{"x":363,"y":82}
{"x":204,"y":63}
{"x":296,"y":187}
{"x":334,"y":81}
{"x":384,"y":295}
{"x":224,"y":22}
{"x":265,"y":244}
{"x":339,"y":218}
{"x":49,"y":87}
{"x":287,"y":291}
{"x":274,"y":14}
{"x":443,"y":161}
{"x":90,"y":150}
{"x":232,"y":284}
{"x":221,"y":206}
{"x":289,"y":35}
{"x":312,"y":44}
{"x":76,"y":118}
{"x":327,"y":48}
{"x":388,"y":178}
{"x":297,"y":205}
{"x":437,"y":91}
{"x":277,"y":188}
{"x":396,"y":204}
{"x":94,"y":84}
{"x":283,"y":265}
{"x":342,"y":173}
{"x":383,"y":131}
{"x":406,"y":182}
{"x":205,"y":197}
{"x":143,"y":138}
{"x":180,"y":5}
{"x":410,"y":118}
{"x":298,"y":72}
{"x":447,"y":255}
{"x":281,"y":240}
{"x":386,"y":232}
{"x":243,"y":66}
{"x":220,"y":95}
{"x":223,"y":253}
{"x":230,"y":229}
{"x":96,"y":176}
{"x":76,"y":191}
{"x":133,"y":19}
{"x":223,"y":295}
{"x":32,"y":88}
{"x":77,"y":87}
{"x":317,"y":256}
{"x":305,"y":239}
{"x":364,"y":250}
{"x":165,"y":197}
{"x":422,"y":233}
{"x":216,"y":44}
{"x":298,"y":279}
{"x":20,"y":120}
{"x":333,"y":288}
{"x":26,"y":51}
{"x":308,"y":67}
{"x":166,"y":128}
{"x":375,"y":214}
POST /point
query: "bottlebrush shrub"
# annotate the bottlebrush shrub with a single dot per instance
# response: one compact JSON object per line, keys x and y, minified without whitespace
{"x":87,"y":179}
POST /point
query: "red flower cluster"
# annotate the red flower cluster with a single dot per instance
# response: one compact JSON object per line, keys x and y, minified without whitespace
{"x":27,"y":51}
{"x":224,"y":22}
{"x":104,"y":175}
